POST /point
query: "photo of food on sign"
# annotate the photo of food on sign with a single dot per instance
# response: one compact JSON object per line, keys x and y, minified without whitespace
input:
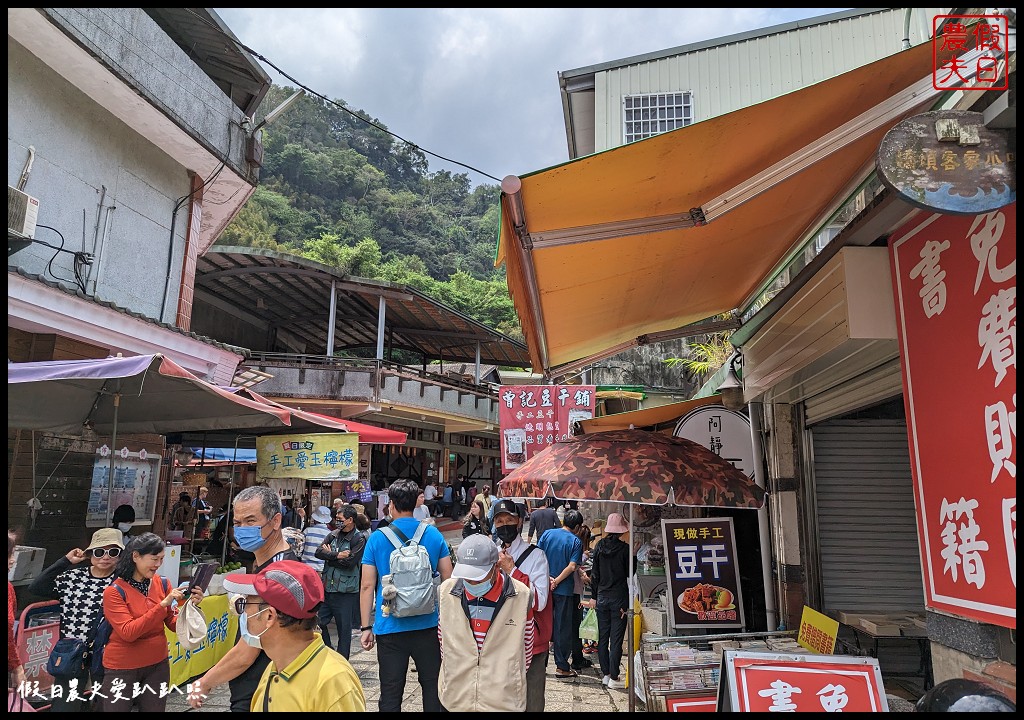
{"x":704,"y":597}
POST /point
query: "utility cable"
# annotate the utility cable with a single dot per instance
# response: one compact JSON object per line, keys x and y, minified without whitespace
{"x":326,"y":99}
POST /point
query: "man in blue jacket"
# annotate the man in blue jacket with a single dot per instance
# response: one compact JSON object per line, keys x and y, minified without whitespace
{"x":564,"y":552}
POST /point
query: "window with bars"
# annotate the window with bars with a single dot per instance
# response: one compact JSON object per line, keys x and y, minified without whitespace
{"x":647,"y":115}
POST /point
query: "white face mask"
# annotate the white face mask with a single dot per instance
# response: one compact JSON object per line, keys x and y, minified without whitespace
{"x":124,"y":527}
{"x":243,"y":625}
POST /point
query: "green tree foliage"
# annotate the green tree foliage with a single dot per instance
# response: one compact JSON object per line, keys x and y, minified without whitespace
{"x":343,"y":193}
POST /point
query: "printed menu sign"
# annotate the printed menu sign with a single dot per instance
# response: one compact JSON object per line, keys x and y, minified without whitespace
{"x":955,"y":281}
{"x":535,"y":416}
{"x":702,"y":573}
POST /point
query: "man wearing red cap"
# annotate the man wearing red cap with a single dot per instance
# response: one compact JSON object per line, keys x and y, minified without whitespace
{"x":277,"y":611}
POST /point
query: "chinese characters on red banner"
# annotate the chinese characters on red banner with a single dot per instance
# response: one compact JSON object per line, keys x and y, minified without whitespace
{"x":781,"y":683}
{"x":702,"y":573}
{"x":955,"y":279}
{"x":988,"y":34}
{"x":534,"y":416}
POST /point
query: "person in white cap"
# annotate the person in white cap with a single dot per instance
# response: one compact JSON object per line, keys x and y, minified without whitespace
{"x":527,"y":563}
{"x":609,"y":579}
{"x":483,"y":661}
{"x":318,"y":530}
{"x":78,"y":580}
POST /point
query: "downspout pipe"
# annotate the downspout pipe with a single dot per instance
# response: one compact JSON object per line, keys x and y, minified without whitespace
{"x":770,"y":600}
{"x":906,"y":28}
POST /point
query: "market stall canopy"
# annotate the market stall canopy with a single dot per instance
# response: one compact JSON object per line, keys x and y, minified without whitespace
{"x":154,"y":395}
{"x":638,"y":243}
{"x":646,"y":417}
{"x":368,"y":434}
{"x":633,"y":466}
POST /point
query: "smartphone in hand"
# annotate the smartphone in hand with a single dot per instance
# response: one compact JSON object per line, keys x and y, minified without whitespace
{"x":202,"y":576}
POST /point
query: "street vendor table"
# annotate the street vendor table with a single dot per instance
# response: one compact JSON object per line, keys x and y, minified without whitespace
{"x":861,"y":641}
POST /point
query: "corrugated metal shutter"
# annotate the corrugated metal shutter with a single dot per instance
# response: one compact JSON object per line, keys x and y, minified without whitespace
{"x":873,"y":387}
{"x":867,"y":529}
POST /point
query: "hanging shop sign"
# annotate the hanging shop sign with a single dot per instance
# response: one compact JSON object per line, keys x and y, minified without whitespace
{"x":702,"y":570}
{"x":788,"y":682}
{"x":948,"y":161}
{"x":955,"y":282}
{"x":724,"y":432}
{"x":317,"y":456}
{"x":534,"y":416}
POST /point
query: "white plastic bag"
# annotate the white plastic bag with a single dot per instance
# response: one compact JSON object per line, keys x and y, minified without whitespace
{"x":191,"y":627}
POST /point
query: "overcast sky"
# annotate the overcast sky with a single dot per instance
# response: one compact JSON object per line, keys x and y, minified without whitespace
{"x":479,"y":86}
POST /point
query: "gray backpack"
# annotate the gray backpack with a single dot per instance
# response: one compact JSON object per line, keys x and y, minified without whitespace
{"x":409,"y":589}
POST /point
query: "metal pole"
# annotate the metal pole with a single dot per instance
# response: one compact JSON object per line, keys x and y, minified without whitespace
{"x":330,"y":326}
{"x":113,"y":452}
{"x":225,"y":539}
{"x":381,"y":310}
{"x":631,"y":686}
{"x":771,"y":610}
{"x":476,"y":374}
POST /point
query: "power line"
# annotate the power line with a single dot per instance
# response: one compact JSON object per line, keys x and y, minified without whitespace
{"x":309,"y":90}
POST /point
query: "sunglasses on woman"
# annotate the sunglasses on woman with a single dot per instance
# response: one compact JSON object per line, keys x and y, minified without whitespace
{"x":100,"y":552}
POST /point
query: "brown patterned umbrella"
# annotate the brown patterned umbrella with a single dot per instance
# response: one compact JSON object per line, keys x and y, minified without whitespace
{"x":633,"y":466}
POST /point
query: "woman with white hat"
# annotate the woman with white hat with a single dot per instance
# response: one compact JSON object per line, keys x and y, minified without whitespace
{"x":609,"y":580}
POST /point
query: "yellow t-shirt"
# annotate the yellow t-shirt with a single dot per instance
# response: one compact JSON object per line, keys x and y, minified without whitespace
{"x":318,"y":680}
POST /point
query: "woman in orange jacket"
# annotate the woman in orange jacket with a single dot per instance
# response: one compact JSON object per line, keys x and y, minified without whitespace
{"x":139,"y":605}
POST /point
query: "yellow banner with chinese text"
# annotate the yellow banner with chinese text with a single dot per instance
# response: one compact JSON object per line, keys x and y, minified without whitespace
{"x":221,"y":630}
{"x":318,"y":456}
{"x":818,"y":632}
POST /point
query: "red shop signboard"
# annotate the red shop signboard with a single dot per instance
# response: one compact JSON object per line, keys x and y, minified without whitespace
{"x":955,"y":281}
{"x":535,"y":416}
{"x":767,"y":682}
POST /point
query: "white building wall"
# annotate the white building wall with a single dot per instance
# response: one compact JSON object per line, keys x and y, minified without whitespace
{"x":728,"y":77}
{"x":80,"y":148}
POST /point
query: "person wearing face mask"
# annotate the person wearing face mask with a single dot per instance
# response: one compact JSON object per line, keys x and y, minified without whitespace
{"x":78,"y":580}
{"x":527,"y":563}
{"x":256,"y":526}
{"x":123,"y":519}
{"x":277,"y":608}
{"x":342,"y":555}
{"x":486,"y":630}
{"x":139,"y":604}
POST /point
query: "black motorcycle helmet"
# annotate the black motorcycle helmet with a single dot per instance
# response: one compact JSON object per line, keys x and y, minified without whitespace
{"x":960,"y":695}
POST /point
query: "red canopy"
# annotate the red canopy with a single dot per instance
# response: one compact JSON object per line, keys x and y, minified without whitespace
{"x":368,"y":434}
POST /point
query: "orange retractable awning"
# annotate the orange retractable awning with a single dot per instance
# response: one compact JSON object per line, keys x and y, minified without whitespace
{"x":612,"y":249}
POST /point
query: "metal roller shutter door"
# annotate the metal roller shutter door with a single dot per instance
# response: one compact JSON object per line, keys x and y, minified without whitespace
{"x":881,"y":383}
{"x":867,"y":529}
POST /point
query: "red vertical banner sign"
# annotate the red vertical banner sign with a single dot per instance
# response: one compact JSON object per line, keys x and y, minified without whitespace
{"x":955,"y":282}
{"x":534,"y":416}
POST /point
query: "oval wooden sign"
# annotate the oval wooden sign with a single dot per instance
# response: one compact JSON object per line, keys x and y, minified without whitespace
{"x":947,"y":161}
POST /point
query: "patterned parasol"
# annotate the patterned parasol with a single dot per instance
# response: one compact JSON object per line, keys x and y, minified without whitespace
{"x":633,"y":466}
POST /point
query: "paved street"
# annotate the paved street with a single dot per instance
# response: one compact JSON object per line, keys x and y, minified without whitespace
{"x":585,"y":693}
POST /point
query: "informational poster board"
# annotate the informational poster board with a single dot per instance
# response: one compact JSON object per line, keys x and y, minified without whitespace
{"x":702,"y":570}
{"x":317,"y":456}
{"x":787,"y":682}
{"x":535,"y":416}
{"x":955,"y":282}
{"x":136,"y":477}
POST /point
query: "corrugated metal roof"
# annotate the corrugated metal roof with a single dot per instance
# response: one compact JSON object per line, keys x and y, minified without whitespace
{"x":293,"y":293}
{"x":125,"y":311}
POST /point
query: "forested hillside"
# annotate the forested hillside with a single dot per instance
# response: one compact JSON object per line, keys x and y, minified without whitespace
{"x":344,"y":193}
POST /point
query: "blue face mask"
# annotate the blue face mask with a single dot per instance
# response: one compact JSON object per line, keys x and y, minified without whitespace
{"x":243,"y":627}
{"x":250,"y":537}
{"x":479,"y":589}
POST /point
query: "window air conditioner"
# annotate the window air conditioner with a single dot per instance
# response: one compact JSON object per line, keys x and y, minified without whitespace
{"x":22,"y":212}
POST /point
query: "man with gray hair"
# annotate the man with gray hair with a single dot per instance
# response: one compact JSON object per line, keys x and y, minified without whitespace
{"x":257,"y":529}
